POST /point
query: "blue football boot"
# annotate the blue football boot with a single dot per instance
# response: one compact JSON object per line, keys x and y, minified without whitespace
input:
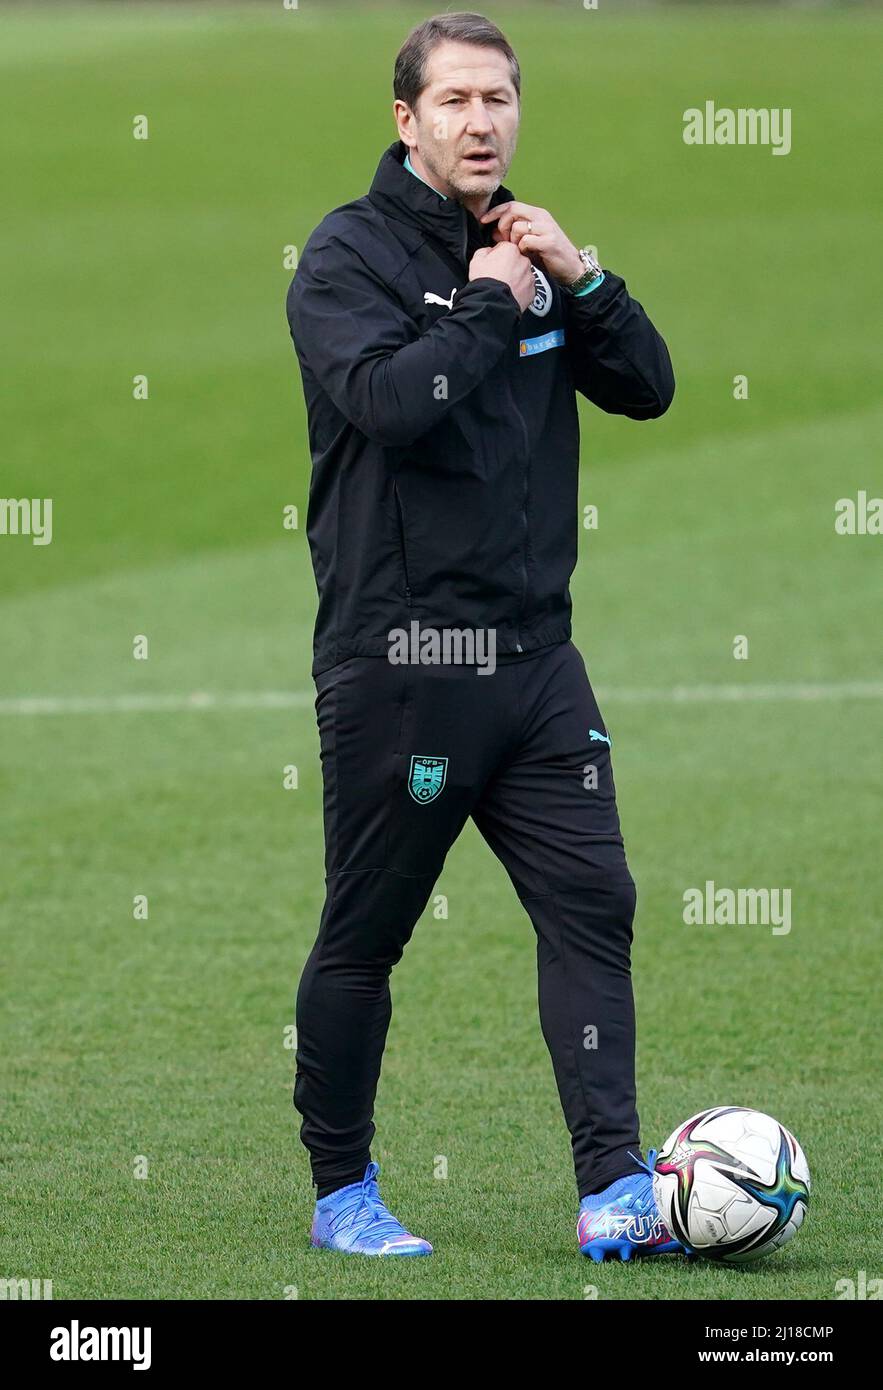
{"x":624,"y":1219}
{"x":354,"y":1219}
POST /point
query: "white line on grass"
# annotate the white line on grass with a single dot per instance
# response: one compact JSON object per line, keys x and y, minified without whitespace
{"x":300,"y":699}
{"x":716,"y":694}
{"x":155,"y":704}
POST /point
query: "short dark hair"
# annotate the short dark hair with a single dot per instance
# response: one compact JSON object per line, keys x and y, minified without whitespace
{"x":409,"y":78}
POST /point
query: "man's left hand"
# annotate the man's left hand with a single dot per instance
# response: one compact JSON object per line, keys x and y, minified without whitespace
{"x":538,"y":236}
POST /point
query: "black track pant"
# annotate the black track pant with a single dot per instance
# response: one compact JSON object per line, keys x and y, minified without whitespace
{"x":519,"y":757}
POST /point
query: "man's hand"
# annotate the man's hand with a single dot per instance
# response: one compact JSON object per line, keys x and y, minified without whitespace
{"x":544,"y":243}
{"x":505,"y":262}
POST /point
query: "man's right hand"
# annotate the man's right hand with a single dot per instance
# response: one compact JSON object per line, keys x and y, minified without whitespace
{"x":505,"y":262}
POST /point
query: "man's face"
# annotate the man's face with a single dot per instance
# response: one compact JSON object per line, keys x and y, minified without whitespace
{"x":469,"y":104}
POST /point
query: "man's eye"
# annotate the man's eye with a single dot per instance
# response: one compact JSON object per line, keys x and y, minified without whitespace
{"x":455,"y":101}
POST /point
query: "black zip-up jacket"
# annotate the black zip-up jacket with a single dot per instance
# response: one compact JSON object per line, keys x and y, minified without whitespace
{"x":443,"y":421}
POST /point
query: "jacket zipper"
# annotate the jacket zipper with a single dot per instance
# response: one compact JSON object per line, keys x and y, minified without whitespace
{"x":525,"y":491}
{"x":401,"y":520}
{"x":524,"y":497}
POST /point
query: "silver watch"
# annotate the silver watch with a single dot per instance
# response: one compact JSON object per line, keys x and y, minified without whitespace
{"x":591,"y":272}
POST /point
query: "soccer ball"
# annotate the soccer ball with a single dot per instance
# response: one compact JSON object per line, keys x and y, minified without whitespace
{"x":732,"y":1184}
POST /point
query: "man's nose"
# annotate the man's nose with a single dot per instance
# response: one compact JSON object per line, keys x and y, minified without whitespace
{"x":479,"y":121}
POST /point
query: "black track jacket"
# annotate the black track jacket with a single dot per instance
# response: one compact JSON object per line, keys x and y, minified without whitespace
{"x":443,"y":421}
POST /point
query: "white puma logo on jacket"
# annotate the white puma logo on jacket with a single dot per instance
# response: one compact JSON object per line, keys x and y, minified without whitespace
{"x":430,"y":298}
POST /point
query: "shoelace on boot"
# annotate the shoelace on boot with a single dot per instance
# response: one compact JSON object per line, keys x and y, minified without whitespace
{"x":650,"y":1165}
{"x":649,"y":1168}
{"x":364,"y":1207}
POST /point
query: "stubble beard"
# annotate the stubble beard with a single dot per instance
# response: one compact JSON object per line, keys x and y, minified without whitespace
{"x":471,"y":187}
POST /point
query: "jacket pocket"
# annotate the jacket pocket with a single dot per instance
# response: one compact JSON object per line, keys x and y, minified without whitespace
{"x":400,"y":519}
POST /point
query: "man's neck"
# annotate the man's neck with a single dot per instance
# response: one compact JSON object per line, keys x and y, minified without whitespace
{"x":476,"y":204}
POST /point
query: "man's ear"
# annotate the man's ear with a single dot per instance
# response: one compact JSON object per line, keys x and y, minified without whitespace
{"x":404,"y":115}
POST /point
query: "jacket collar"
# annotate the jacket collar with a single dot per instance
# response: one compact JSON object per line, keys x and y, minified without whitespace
{"x":399,"y":195}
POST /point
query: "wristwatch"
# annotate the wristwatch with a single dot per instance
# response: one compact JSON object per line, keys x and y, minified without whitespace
{"x":591,"y":272}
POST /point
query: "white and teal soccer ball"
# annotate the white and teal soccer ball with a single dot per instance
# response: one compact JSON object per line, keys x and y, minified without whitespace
{"x":732,"y":1184}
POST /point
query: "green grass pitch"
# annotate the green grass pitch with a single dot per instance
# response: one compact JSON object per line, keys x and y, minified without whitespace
{"x":165,"y":1038}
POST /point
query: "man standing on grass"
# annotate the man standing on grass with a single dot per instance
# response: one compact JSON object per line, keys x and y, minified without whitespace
{"x":442,"y":330}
